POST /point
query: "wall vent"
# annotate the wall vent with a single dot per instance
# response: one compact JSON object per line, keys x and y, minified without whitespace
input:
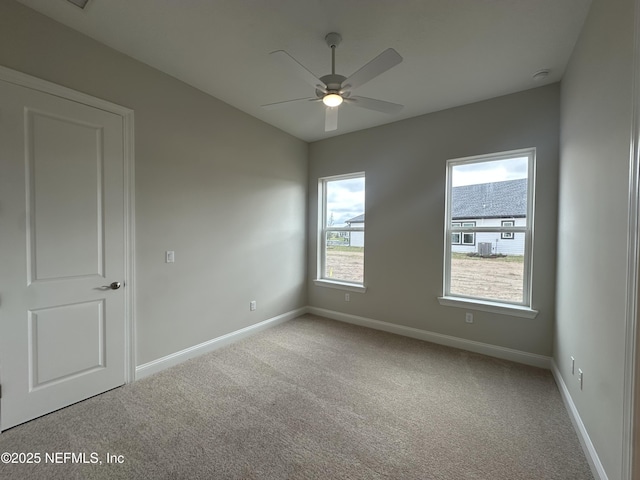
{"x":79,"y":3}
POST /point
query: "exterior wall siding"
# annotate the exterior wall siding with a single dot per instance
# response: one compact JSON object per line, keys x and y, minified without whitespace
{"x":357,"y":239}
{"x":499,"y":245}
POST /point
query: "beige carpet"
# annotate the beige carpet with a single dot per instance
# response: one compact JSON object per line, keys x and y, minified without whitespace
{"x":317,"y":399}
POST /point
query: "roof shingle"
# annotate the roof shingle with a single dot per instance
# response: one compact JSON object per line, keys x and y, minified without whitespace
{"x":490,"y":200}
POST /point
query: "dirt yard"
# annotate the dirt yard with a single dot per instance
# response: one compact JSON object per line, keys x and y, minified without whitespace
{"x":495,"y":278}
{"x":342,"y":265}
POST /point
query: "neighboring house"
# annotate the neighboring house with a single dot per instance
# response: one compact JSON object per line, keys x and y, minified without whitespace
{"x":356,"y":239}
{"x":487,"y":205}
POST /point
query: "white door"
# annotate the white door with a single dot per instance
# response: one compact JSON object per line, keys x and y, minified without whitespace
{"x":62,"y":237}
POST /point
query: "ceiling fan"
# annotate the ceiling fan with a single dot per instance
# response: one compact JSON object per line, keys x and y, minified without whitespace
{"x":333,"y":89}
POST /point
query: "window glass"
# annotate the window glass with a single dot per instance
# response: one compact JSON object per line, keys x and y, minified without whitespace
{"x":485,"y":274}
{"x":341,"y":249}
{"x":489,"y":227}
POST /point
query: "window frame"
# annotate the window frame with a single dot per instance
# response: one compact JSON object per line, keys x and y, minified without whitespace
{"x":524,"y":308}
{"x":323,"y":230}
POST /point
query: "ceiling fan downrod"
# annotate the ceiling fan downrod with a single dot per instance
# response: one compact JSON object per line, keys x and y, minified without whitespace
{"x":332,"y":97}
{"x":333,"y":39}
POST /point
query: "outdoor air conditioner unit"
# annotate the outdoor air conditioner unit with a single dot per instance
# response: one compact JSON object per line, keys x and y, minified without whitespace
{"x":484,"y":249}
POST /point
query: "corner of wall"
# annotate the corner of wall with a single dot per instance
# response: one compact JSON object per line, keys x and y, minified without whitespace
{"x":583,"y":436}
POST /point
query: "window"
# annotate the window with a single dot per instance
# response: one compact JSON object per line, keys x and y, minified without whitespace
{"x":489,"y":199}
{"x":456,"y":237}
{"x":507,"y":235}
{"x":341,"y":231}
{"x":468,"y":238}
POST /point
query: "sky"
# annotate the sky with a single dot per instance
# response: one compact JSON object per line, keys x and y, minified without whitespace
{"x":487,"y":172}
{"x":345,"y":200}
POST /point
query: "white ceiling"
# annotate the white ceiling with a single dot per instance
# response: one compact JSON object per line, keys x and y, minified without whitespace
{"x":455,"y":51}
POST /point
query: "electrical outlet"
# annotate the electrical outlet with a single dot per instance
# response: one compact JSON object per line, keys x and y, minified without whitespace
{"x":252,"y":305}
{"x":580,"y":377}
{"x":573,"y":366}
{"x":468,"y":317}
{"x":347,"y":297}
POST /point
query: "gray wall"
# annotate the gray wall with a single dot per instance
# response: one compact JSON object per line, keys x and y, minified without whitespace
{"x":224,"y":190}
{"x":405,"y":171}
{"x":592,"y":239}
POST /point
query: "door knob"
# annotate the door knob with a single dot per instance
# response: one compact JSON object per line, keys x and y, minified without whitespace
{"x":113,"y":286}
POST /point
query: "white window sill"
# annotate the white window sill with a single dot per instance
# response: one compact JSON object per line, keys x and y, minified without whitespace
{"x":486,"y":306}
{"x":350,"y":287}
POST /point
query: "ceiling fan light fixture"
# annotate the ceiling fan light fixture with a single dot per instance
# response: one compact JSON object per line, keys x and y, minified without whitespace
{"x":332,"y":100}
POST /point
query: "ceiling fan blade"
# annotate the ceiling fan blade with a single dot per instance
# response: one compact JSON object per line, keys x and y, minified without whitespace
{"x":286,"y":103}
{"x":373,"y":104}
{"x":383,"y":62}
{"x":331,"y":119}
{"x":295,"y":67}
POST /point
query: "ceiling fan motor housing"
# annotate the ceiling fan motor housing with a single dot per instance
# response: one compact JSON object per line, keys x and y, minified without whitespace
{"x":333,"y":81}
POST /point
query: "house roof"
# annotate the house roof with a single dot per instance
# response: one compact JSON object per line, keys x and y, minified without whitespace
{"x":490,"y":200}
{"x":484,"y":200}
{"x":358,"y":219}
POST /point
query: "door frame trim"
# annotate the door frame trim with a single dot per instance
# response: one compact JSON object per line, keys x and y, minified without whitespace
{"x":631,"y":395}
{"x":24,"y":80}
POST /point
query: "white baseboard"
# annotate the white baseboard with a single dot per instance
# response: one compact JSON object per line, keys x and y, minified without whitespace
{"x":160,"y":364}
{"x":587,"y":446}
{"x":478,"y":347}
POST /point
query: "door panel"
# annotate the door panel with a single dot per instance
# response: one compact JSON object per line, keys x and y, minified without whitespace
{"x":62,"y":334}
{"x":55,"y":147}
{"x":82,"y":325}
